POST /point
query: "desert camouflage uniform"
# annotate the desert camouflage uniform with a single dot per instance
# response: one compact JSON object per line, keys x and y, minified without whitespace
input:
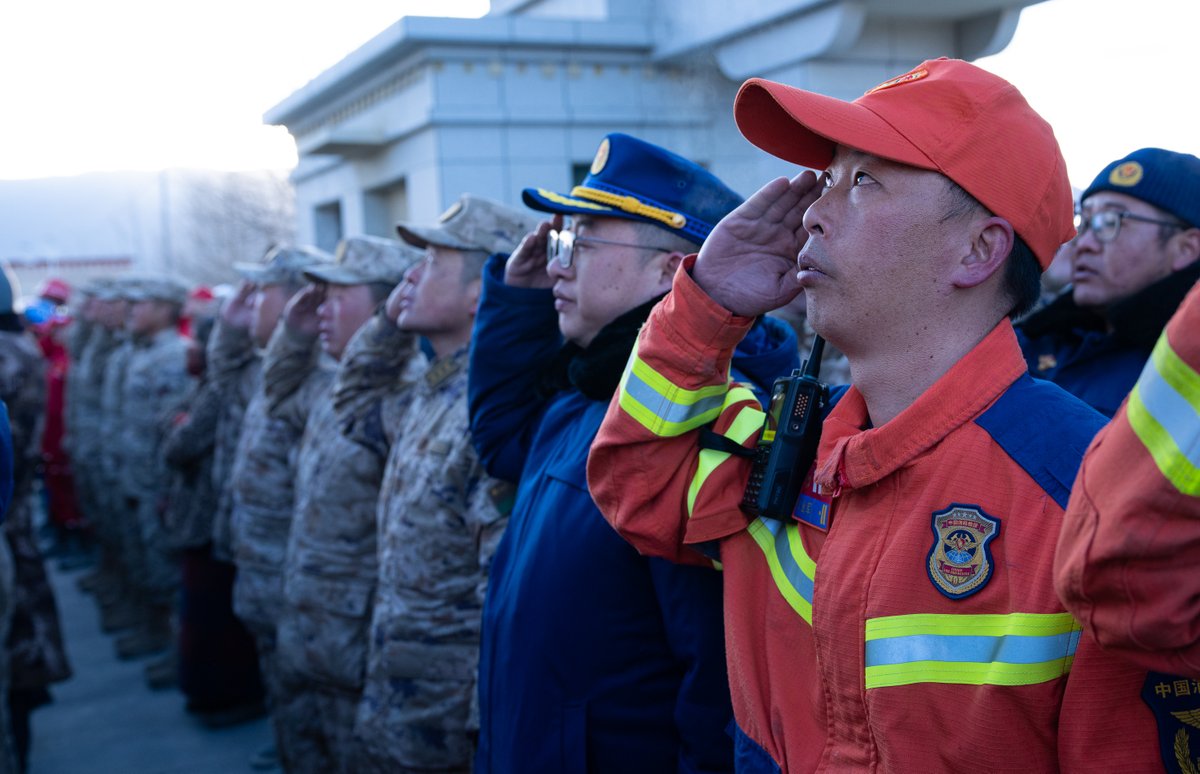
{"x":156,"y":382}
{"x":35,"y":652}
{"x":110,"y":502}
{"x":438,"y":528}
{"x":85,"y":391}
{"x":260,"y":494}
{"x":307,"y":699}
{"x":236,"y":368}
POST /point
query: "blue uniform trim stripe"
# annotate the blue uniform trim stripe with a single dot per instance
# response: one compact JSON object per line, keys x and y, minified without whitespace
{"x":1045,"y":430}
{"x":1010,"y":649}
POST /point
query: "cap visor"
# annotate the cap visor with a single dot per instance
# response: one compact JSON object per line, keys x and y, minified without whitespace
{"x":548,"y":201}
{"x":250,"y":271}
{"x":804,"y":127}
{"x":423,"y":236}
{"x":336,"y":275}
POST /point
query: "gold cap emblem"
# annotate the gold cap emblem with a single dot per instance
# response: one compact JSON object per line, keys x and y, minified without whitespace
{"x":601,"y":157}
{"x":1126,"y":175}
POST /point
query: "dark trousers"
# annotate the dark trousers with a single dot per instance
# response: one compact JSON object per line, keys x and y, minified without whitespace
{"x":218,"y":666}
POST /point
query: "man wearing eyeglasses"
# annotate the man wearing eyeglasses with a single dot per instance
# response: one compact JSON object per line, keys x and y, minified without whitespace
{"x":594,"y":658}
{"x":1135,"y":258}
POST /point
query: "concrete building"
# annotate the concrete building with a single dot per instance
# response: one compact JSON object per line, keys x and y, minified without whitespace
{"x":432,"y":107}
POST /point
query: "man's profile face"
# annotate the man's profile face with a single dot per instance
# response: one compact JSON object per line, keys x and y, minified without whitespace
{"x":877,"y":249}
{"x":1104,"y":273}
{"x":268,"y":302}
{"x":344,"y":310}
{"x":146,"y":317}
{"x":435,"y":299}
{"x":604,"y":280}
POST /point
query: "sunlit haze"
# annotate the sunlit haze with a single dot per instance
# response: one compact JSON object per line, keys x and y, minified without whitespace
{"x":137,"y":84}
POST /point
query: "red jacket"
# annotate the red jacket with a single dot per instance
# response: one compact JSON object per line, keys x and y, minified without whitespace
{"x":1129,"y":554}
{"x":931,"y":639}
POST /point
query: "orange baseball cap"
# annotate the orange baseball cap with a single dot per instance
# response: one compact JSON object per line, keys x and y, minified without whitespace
{"x":945,"y":115}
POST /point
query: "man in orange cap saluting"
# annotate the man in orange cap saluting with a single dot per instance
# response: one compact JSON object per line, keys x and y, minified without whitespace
{"x":903,"y":617}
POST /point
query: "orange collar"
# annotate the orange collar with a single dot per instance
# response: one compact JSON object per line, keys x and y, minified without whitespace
{"x":851,"y":457}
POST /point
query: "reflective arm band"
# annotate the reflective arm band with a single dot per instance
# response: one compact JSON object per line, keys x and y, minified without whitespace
{"x":1164,"y":412}
{"x":791,"y":567}
{"x":663,"y":408}
{"x":1012,"y":649}
{"x":749,"y":420}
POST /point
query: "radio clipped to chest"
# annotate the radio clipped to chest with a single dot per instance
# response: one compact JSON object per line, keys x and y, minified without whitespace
{"x":788,"y":445}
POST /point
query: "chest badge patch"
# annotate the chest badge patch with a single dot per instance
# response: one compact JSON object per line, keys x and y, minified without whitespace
{"x":960,"y":561}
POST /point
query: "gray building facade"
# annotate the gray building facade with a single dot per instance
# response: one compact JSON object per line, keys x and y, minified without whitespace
{"x":433,"y":107}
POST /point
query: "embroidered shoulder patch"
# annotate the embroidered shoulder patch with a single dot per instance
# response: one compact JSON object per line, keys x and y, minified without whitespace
{"x":960,"y":561}
{"x":1175,"y":702}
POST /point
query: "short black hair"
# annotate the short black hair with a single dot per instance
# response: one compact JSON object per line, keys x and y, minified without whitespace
{"x":1022,"y":271}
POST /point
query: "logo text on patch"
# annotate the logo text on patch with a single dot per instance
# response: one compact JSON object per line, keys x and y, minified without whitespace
{"x":960,"y":561}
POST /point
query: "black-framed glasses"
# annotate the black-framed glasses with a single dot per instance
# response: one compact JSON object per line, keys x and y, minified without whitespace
{"x":560,"y":246}
{"x":1106,"y":224}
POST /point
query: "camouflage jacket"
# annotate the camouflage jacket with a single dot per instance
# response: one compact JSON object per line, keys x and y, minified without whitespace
{"x":85,"y":394}
{"x":108,"y":427}
{"x":439,"y":526}
{"x":156,"y":381}
{"x":35,"y":645}
{"x":79,"y":337}
{"x":187,"y":449}
{"x":263,"y":475}
{"x":330,"y":569}
{"x":235,"y":368}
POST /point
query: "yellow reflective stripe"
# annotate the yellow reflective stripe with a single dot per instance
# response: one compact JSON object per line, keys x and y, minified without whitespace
{"x":791,"y":568}
{"x":663,"y":408}
{"x":956,"y":673}
{"x":1012,"y":649}
{"x":1164,"y":412}
{"x":631,"y":204}
{"x":991,"y":625}
{"x":748,"y":420}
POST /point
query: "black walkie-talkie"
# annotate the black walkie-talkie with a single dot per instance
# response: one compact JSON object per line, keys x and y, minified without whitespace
{"x":788,"y":444}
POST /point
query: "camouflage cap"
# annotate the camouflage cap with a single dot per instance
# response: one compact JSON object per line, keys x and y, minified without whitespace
{"x":473,"y":223}
{"x":157,"y":289}
{"x":366,"y":259}
{"x":283,"y":265}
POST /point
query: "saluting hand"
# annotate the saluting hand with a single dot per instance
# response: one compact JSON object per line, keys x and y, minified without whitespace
{"x":238,"y":311}
{"x":748,"y":262}
{"x":526,"y":267}
{"x":300,"y":314}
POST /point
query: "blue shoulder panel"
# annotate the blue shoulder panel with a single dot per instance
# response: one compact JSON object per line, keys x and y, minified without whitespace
{"x":1045,"y":430}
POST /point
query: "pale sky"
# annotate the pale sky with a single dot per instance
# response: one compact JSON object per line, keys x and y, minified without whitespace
{"x":92,"y":85}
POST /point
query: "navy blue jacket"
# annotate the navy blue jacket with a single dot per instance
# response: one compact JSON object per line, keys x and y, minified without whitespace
{"x":1098,"y":358}
{"x":594,"y":658}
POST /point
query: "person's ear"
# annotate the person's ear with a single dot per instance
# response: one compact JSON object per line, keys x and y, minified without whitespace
{"x":1184,"y":248}
{"x":667,"y":266}
{"x":474,"y":291}
{"x":991,"y":242}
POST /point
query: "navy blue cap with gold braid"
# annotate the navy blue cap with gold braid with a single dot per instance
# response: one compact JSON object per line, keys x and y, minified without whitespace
{"x":635,"y":180}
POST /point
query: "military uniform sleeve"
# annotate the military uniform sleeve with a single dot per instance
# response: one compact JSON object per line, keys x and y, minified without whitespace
{"x":289,"y":359}
{"x":372,"y":369}
{"x":1130,"y":543}
{"x":646,"y":470}
{"x":230,"y":349}
{"x":516,"y":335}
{"x":189,"y":441}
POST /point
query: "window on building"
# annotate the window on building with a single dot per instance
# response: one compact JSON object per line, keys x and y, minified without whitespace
{"x":384,"y":207}
{"x":327,"y":225}
{"x":579,"y":172}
